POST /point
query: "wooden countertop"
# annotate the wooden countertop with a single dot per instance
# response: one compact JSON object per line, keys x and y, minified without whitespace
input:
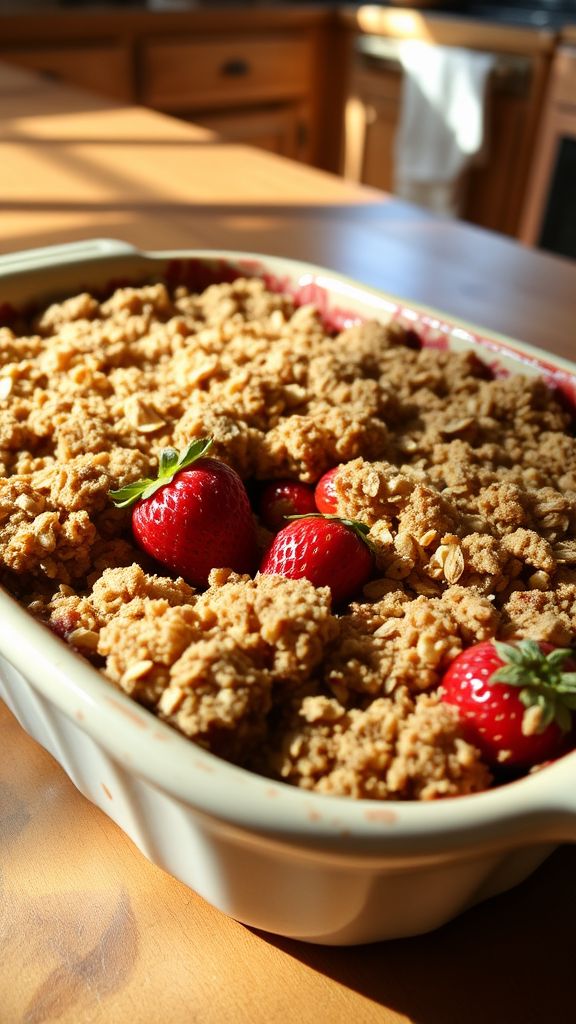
{"x":89,"y":930}
{"x":102,"y":19}
{"x":74,"y":166}
{"x":447,"y":29}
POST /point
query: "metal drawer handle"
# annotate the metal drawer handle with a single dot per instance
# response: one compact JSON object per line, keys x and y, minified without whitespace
{"x":236,"y":67}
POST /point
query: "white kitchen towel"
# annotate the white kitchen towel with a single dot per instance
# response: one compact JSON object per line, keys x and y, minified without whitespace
{"x":442,"y":127}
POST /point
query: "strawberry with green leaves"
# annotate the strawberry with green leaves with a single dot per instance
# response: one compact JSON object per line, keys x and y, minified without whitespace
{"x":194,"y":517}
{"x":328,"y":551}
{"x":517,"y":701}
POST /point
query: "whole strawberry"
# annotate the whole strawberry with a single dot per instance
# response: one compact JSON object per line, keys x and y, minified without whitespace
{"x":516,"y":699}
{"x":328,"y":551}
{"x":325,"y":492}
{"x":280,"y":499}
{"x":195,"y":516}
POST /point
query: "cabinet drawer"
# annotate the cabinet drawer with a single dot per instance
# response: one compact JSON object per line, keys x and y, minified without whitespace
{"x":103,"y":68}
{"x":180,"y":74}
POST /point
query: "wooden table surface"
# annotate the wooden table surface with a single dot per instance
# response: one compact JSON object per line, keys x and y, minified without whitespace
{"x":89,"y":930}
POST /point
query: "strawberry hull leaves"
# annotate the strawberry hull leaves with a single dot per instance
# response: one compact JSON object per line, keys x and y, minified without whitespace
{"x":170,"y":462}
{"x":541,"y":680}
{"x":516,"y":701}
{"x":195,"y":517}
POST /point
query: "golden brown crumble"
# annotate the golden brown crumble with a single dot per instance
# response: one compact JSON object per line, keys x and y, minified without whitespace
{"x":467,"y":483}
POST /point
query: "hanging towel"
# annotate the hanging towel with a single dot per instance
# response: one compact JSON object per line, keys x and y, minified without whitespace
{"x":441,"y":132}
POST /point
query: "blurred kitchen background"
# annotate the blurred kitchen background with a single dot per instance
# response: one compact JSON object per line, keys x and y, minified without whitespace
{"x":465,"y":107}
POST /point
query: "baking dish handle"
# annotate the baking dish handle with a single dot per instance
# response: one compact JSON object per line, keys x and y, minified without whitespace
{"x":70,"y":252}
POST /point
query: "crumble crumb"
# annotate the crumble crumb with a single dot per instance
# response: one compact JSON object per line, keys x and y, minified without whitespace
{"x":466,"y":481}
{"x":394,"y":749}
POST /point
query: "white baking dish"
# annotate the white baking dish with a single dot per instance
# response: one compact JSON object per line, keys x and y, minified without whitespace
{"x":317,"y":868}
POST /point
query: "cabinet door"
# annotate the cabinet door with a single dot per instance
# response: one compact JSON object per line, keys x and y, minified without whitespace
{"x":102,"y":68}
{"x":371,"y":119}
{"x":558,"y":124}
{"x":494,"y":189}
{"x":284,"y":130}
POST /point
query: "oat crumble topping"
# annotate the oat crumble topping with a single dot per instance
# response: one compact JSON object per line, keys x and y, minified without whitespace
{"x":468,"y":485}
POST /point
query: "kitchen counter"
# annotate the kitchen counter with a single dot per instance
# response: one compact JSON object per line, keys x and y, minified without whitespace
{"x":448,"y":29}
{"x":276,"y":74}
{"x":443,"y":27}
{"x":90,"y":930}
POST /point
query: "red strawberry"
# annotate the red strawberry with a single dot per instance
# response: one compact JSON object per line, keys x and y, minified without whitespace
{"x":325,"y":492}
{"x":515,"y":699}
{"x":195,"y":517}
{"x":329,"y":552}
{"x":282,"y":498}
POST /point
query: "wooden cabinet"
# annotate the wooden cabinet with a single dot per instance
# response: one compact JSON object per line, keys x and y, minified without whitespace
{"x":220,"y":71}
{"x":281,"y":129}
{"x":549,"y":217}
{"x":252,"y":74}
{"x":287,"y":78}
{"x":255,"y":89}
{"x":494,"y":190}
{"x":371,"y":115}
{"x":102,"y":67}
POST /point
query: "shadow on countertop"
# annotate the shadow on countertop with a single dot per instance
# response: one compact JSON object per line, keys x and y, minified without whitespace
{"x":523,"y":974}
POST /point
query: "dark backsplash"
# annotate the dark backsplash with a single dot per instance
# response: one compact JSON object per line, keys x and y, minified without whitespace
{"x":539,"y":13}
{"x":536,"y":13}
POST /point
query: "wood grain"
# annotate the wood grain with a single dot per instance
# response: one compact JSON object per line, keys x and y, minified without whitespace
{"x":91,"y":931}
{"x":75,"y":166}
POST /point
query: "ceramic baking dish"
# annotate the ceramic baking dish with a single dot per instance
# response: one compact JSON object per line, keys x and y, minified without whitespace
{"x":317,"y":868}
